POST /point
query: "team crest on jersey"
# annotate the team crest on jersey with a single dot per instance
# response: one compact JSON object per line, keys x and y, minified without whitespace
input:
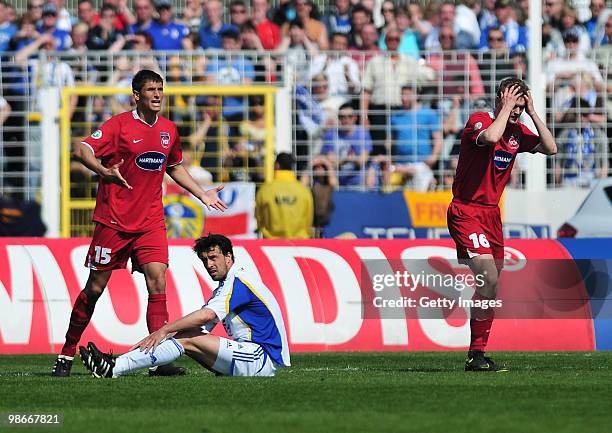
{"x":477,"y":126}
{"x":165,"y":139}
{"x":97,"y":134}
{"x":513,"y":142}
{"x":151,"y":161}
{"x":502,"y":159}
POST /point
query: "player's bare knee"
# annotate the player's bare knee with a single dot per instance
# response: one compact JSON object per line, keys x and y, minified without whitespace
{"x":156,"y":284}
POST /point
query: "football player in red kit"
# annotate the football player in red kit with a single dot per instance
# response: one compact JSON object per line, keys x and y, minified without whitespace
{"x":130,"y":153}
{"x":489,"y":145}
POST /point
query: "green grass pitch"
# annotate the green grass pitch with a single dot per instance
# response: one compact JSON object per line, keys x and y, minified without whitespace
{"x":328,"y":393}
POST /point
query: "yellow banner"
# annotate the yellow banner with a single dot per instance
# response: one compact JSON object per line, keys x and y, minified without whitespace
{"x":428,"y":209}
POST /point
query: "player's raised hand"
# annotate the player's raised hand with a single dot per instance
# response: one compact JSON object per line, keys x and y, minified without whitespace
{"x":113,"y":175}
{"x":211,"y":199}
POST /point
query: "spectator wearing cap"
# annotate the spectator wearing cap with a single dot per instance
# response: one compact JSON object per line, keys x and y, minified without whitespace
{"x":595,"y":25}
{"x":268,"y":32}
{"x":384,"y":77}
{"x":49,"y":26}
{"x":314,"y":29}
{"x":283,"y":206}
{"x":562,"y":70}
{"x":104,"y":35}
{"x":446,"y":17}
{"x":167,"y":33}
{"x":338,"y":20}
{"x":144,"y":16}
{"x":210,"y":34}
{"x":514,"y":34}
{"x":231,"y":70}
{"x":7,"y":28}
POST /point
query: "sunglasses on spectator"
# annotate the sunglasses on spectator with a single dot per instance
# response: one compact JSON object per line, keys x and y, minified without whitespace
{"x":496,"y":39}
{"x":447,"y":36}
{"x":345,"y":115}
{"x":392,"y":39}
{"x":238,"y":11}
{"x":388,"y":10}
{"x":38,"y":6}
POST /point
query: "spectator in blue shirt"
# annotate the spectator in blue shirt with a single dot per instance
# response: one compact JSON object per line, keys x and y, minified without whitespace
{"x":417,"y":140}
{"x":348,"y":147}
{"x":339,"y":19}
{"x":49,"y":25}
{"x":7,"y":29}
{"x":144,"y":16}
{"x":210,"y":34}
{"x":168,"y":34}
{"x":515,"y":35}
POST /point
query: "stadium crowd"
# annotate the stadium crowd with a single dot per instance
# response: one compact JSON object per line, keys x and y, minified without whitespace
{"x":382,"y":89}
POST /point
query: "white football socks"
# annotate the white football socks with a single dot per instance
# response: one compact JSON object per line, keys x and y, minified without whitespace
{"x":165,"y":353}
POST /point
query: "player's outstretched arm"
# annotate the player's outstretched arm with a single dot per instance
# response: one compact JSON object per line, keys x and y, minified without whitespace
{"x":192,"y":320}
{"x":210,"y":198}
{"x":111,"y":174}
{"x":547,"y":145}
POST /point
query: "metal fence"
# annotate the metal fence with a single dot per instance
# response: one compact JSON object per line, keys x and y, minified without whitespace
{"x":390,"y":149}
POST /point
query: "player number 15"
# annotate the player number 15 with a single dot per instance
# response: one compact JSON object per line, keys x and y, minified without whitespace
{"x":102,"y":255}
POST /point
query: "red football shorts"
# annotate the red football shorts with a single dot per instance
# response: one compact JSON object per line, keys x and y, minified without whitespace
{"x":476,"y":230}
{"x":111,"y":249}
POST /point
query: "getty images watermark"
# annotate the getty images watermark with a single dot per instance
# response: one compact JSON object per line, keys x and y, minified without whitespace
{"x":442,"y":288}
{"x":384,"y":283}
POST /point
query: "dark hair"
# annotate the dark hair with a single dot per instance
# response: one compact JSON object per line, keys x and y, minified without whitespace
{"x":346,"y":105}
{"x":336,"y":34}
{"x":107,"y":7}
{"x":361,"y":8}
{"x":211,"y":241}
{"x":510,"y":82}
{"x":237,"y":3}
{"x":296,"y":23}
{"x":285,"y":161}
{"x":143,"y":76}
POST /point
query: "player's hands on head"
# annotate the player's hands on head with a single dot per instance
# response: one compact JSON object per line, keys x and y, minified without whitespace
{"x":509,"y":96}
{"x":529,"y":103}
{"x":211,"y":199}
{"x":112,"y":174}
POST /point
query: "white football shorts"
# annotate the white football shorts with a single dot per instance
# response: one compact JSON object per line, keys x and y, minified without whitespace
{"x":243,"y":359}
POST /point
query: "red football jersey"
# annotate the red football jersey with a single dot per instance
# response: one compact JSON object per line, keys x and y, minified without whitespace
{"x":483,"y":171}
{"x":146,"y":151}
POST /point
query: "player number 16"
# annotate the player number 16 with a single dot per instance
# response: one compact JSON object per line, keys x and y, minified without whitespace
{"x":102,"y":255}
{"x":479,"y":240}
